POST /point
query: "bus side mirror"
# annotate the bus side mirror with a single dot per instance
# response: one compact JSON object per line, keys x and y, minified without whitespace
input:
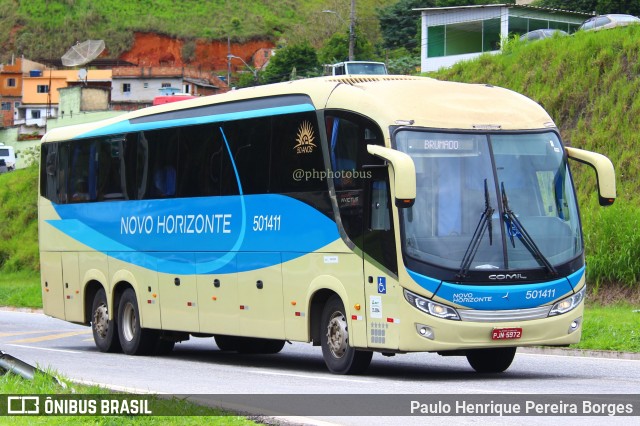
{"x":605,"y":173}
{"x":404,"y":173}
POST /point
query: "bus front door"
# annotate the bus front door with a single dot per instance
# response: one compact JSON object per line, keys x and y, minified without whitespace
{"x":382,"y":290}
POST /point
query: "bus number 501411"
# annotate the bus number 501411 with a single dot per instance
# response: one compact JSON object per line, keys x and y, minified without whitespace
{"x":266,"y":223}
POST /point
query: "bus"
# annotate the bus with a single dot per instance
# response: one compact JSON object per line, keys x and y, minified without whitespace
{"x":356,"y":68}
{"x":388,"y":214}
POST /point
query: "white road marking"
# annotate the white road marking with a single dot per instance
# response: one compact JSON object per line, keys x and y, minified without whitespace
{"x":303,"y":376}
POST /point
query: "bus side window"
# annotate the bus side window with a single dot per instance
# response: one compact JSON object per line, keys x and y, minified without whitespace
{"x":161,"y":160}
{"x":49,"y":177}
{"x":249,"y":142}
{"x":110,"y":170}
{"x":296,"y":149}
{"x":82,"y":171}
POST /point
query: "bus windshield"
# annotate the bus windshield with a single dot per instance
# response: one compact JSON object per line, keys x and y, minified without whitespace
{"x":490,"y":202}
{"x":368,"y":68}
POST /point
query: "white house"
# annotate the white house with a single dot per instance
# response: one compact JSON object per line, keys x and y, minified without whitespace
{"x":454,"y":34}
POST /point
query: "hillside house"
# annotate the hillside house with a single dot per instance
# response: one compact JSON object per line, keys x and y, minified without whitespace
{"x":40,"y":96}
{"x":11,"y":87}
{"x":135,"y":87}
{"x":454,"y":34}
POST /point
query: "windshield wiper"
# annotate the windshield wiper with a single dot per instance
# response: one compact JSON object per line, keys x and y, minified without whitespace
{"x":481,"y":228}
{"x":516,"y":229}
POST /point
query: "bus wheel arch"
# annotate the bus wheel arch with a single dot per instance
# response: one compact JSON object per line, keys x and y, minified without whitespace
{"x":318,"y":301}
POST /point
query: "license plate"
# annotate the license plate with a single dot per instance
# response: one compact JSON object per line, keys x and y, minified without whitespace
{"x":506,"y":333}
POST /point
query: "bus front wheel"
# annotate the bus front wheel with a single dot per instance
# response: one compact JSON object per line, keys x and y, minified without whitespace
{"x":105,"y":334}
{"x":494,"y":360}
{"x":134,"y":339}
{"x":339,"y":357}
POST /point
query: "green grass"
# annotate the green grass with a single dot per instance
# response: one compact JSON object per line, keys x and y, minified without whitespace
{"x":18,"y":220}
{"x":20,"y":290}
{"x":611,"y":328}
{"x":182,"y":412}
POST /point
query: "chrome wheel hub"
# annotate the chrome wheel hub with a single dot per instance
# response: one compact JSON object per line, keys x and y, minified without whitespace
{"x":337,"y":335}
{"x":101,"y":321}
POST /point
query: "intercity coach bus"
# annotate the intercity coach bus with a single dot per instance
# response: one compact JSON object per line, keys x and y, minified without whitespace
{"x":386,"y":214}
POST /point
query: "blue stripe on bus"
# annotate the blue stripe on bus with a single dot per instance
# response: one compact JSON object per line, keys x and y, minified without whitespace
{"x":429,"y":284}
{"x":215,"y":225}
{"x":500,"y":297}
{"x":126,"y":126}
{"x":574,"y":279}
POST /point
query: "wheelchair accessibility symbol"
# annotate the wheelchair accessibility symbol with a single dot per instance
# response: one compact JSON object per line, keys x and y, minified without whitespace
{"x":382,"y":285}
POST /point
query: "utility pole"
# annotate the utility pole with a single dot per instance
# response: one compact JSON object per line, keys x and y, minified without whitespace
{"x":352,"y":30}
{"x":352,"y":27}
{"x":229,"y":62}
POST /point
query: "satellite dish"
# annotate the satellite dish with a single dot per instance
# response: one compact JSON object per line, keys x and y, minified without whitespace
{"x":82,"y":53}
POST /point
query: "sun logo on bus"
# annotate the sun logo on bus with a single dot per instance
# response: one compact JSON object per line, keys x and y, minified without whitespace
{"x":305,"y":138}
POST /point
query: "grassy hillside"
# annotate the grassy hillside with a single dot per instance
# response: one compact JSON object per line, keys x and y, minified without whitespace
{"x":33,"y":23}
{"x":590,"y":85}
{"x":19,"y":221}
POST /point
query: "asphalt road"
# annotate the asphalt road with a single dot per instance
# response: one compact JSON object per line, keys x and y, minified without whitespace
{"x":199,"y":367}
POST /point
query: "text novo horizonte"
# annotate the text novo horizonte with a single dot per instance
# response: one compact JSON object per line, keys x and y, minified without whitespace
{"x":216,"y":223}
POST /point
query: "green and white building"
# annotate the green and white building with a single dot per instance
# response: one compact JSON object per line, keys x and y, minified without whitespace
{"x":454,"y":34}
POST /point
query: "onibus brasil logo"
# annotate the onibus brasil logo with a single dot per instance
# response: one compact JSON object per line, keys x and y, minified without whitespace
{"x":305,"y":138}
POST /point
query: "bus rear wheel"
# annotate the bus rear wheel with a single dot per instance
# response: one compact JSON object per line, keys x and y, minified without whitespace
{"x":339,"y":357}
{"x":134,"y":339}
{"x":494,"y":360}
{"x":105,"y":333}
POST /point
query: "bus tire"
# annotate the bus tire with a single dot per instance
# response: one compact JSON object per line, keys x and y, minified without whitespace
{"x":133,"y":339}
{"x":105,"y":333}
{"x":339,"y":357}
{"x":494,"y":360}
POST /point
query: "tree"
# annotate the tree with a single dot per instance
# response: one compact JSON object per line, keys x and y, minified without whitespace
{"x":399,"y":23}
{"x":336,"y":49}
{"x":301,"y":57}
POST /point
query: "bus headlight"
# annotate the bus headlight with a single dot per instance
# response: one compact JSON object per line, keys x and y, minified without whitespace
{"x":432,"y":308}
{"x":567,"y":304}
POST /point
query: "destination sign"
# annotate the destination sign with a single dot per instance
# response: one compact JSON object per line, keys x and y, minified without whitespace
{"x":450,"y":145}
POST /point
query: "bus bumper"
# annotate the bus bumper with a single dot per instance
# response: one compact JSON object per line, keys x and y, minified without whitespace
{"x":424,"y":333}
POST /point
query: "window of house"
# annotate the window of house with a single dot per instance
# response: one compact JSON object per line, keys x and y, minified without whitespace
{"x":11,"y":82}
{"x":43,"y":88}
{"x":126,"y":87}
{"x":146,"y":85}
{"x":35,"y":113}
{"x":6,"y":106}
{"x":166,"y":85}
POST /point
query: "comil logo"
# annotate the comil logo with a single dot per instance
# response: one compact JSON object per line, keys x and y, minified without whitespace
{"x":305,"y":138}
